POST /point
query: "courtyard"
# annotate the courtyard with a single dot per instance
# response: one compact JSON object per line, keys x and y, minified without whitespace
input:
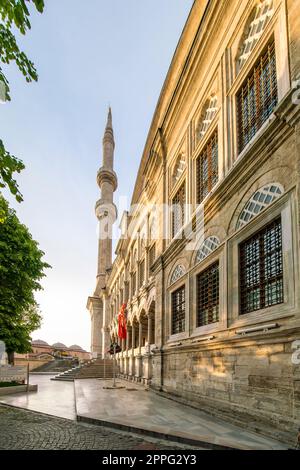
{"x":67,"y":415}
{"x":27,"y":430}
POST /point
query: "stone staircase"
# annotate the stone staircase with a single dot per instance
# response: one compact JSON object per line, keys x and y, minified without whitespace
{"x":97,"y":368}
{"x":56,"y":366}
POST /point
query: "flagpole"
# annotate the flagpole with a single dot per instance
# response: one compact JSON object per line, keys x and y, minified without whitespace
{"x":114,"y":365}
{"x":104,"y":363}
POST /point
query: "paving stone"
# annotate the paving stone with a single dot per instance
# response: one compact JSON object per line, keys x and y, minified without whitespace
{"x":26,"y":430}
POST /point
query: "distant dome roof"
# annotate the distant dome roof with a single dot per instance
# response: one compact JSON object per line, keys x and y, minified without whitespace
{"x":59,"y":346}
{"x":75,"y":347}
{"x":39,"y":342}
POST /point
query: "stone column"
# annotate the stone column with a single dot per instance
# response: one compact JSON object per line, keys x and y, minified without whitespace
{"x":147,"y":264}
{"x":140,"y":336}
{"x":105,"y":325}
{"x":138,"y":358}
{"x":131,"y":358}
{"x":133,"y":337}
{"x":127,"y":341}
{"x":149,"y":331}
{"x":95,"y":306}
{"x":127,"y":352}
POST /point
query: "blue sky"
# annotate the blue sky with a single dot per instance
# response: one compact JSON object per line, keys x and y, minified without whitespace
{"x":88,"y":55}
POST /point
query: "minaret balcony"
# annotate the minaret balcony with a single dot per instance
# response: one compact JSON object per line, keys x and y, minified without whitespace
{"x":106,"y":209}
{"x":107,"y":175}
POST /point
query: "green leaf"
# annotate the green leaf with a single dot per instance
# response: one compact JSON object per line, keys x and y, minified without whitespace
{"x":14,"y":12}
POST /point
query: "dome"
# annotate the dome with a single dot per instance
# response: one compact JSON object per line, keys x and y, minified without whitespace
{"x":75,"y":347}
{"x":39,"y":342}
{"x":59,"y":346}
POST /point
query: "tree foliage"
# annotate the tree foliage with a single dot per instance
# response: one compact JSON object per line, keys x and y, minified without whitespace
{"x":14,"y":15}
{"x":21,"y":270}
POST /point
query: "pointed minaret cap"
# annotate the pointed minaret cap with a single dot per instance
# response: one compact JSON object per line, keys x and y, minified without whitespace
{"x":109,"y":119}
{"x":109,"y":133}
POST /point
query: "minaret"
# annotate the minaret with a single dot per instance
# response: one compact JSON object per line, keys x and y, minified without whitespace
{"x":106,"y":213}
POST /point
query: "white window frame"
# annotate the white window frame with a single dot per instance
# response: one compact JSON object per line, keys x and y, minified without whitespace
{"x":217,"y":255}
{"x":284,"y":207}
{"x":182,"y":282}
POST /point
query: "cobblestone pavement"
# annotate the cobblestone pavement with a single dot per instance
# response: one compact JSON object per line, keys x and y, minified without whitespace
{"x":20,"y":429}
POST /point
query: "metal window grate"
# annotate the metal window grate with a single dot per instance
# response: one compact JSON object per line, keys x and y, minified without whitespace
{"x":207,"y":168}
{"x":179,"y":168}
{"x":152,"y":256}
{"x":258,"y":97}
{"x":126,"y":290}
{"x":142,"y":272}
{"x":261,"y":269}
{"x":207,"y":116}
{"x":258,"y":202}
{"x":178,"y":210}
{"x":133,"y":284}
{"x":264,"y":11}
{"x":178,"y":311}
{"x":208,"y":296}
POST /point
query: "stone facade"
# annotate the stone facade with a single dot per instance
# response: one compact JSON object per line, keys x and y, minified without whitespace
{"x":242,"y":365}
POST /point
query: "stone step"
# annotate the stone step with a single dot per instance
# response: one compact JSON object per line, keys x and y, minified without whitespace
{"x":71,"y":379}
{"x":95,"y":369}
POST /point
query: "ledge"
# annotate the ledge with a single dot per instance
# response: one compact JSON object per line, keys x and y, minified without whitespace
{"x":17,"y":389}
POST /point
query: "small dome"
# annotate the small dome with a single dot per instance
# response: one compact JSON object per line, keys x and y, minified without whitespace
{"x":39,"y":342}
{"x":75,"y":347}
{"x":59,"y":346}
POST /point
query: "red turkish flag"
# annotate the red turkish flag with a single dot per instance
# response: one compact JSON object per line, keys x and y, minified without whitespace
{"x":122,"y":330}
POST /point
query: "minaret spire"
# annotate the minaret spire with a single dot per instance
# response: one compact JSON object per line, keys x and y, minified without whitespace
{"x":106,"y":213}
{"x":109,"y":119}
{"x":108,"y":142}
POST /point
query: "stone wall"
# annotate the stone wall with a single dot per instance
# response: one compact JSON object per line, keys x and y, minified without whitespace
{"x":33,"y":363}
{"x":255,"y":385}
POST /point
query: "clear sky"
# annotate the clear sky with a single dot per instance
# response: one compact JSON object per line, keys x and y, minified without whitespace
{"x":88,"y":54}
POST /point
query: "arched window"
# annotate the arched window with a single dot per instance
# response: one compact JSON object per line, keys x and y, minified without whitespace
{"x":208,"y":113}
{"x":209,"y":245}
{"x":178,"y":272}
{"x":258,"y":201}
{"x":178,"y":168}
{"x":254,"y":29}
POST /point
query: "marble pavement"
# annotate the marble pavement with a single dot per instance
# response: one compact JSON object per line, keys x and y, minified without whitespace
{"x":137,"y":409}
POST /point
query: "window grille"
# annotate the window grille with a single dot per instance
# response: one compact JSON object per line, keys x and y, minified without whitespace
{"x":179,"y":168}
{"x":142,"y":272}
{"x":209,"y":245}
{"x":126,"y":291}
{"x":207,"y":117}
{"x":133,"y":287}
{"x":207,"y":168}
{"x":208,"y":295}
{"x":178,"y":210}
{"x":178,"y":311}
{"x":259,"y":201}
{"x":152,"y":256}
{"x":178,"y":272}
{"x":257,"y":97}
{"x":263,"y":13}
{"x":261,"y":269}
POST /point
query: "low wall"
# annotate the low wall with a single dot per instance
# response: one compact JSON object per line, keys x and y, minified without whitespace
{"x":253,"y":385}
{"x":33,"y":363}
{"x":13,"y":374}
{"x":17,"y":389}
